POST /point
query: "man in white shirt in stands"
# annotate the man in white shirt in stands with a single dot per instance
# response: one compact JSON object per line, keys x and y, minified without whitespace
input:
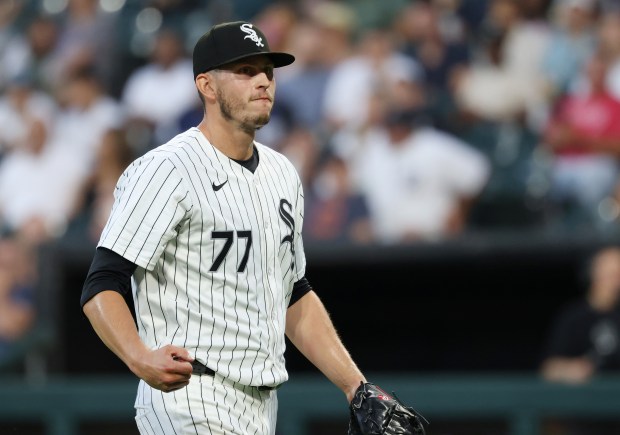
{"x":418,"y":181}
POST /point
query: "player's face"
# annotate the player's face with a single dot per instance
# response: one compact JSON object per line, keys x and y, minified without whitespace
{"x":245,"y":92}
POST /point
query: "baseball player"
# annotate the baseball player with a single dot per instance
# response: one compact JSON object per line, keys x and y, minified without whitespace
{"x":206,"y":232}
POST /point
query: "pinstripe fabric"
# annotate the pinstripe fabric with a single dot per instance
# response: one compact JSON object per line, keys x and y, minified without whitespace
{"x":218,"y":250}
{"x":207,"y":406}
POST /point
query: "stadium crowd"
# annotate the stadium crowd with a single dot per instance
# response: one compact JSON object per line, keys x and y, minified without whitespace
{"x":407,"y":120}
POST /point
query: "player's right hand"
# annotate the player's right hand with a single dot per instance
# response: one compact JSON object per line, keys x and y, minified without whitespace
{"x":167,"y":369}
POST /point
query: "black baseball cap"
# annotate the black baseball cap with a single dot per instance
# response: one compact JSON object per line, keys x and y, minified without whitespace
{"x":229,"y":42}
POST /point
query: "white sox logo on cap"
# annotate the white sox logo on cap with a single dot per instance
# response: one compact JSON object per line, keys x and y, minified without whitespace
{"x":226,"y":42}
{"x":247,"y":28}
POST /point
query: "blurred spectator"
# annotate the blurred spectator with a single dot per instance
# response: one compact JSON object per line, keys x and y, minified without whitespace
{"x":472,"y":14}
{"x":584,"y":135}
{"x":438,"y":48}
{"x":335,"y":212}
{"x":354,"y":81}
{"x":302,"y":87}
{"x":571,"y":45}
{"x":527,"y":37}
{"x":87,"y":113}
{"x":38,"y":187}
{"x":585,"y":336}
{"x":434,"y":35}
{"x":10,"y":39}
{"x":423,"y":181}
{"x":86,"y":39}
{"x":278,"y":20}
{"x":318,"y":43}
{"x":609,"y":45}
{"x":158,"y":94}
{"x":17,"y":278}
{"x":95,"y":201}
{"x":506,"y":81}
{"x":187,"y":18}
{"x":337,"y":24}
{"x":302,"y":148}
{"x":34,"y":55}
{"x":20,"y":107}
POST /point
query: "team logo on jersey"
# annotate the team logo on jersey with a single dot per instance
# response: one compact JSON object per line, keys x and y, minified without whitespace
{"x":247,"y":28}
{"x":286,"y":216}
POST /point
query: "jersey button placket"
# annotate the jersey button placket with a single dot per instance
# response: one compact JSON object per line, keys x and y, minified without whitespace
{"x":270,"y":253}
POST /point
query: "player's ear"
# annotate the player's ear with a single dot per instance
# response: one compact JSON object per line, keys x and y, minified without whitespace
{"x":205,"y":85}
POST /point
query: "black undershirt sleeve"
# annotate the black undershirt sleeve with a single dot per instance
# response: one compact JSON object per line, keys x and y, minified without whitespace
{"x":108,"y":271}
{"x":300,"y":288}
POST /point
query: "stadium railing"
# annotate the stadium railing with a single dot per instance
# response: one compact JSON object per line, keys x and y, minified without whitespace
{"x":523,"y":401}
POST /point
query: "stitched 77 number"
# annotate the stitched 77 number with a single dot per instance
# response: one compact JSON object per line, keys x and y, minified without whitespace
{"x":229,"y":237}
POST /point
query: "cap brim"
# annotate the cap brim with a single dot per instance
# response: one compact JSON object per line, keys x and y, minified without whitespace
{"x":279,"y":59}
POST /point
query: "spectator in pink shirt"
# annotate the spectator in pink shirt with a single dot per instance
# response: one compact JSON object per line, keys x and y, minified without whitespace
{"x":584,"y":137}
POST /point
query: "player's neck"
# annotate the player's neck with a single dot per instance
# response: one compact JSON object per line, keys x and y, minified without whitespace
{"x":234,"y":143}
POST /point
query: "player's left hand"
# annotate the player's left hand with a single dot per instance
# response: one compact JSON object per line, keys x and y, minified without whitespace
{"x":374,"y":412}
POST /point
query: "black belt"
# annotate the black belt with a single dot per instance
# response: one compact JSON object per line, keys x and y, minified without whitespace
{"x":201,"y":369}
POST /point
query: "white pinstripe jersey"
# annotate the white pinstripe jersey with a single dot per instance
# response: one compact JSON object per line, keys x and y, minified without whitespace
{"x":218,"y":250}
